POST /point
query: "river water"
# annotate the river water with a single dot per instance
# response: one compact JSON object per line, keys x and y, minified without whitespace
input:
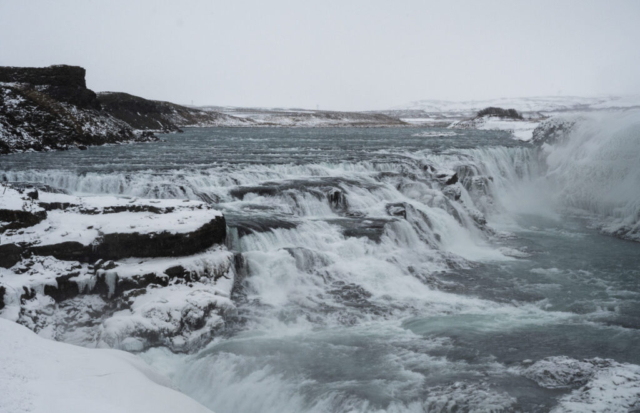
{"x":371,"y":279}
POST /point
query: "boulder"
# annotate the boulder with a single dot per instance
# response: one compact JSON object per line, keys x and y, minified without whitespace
{"x":500,"y":113}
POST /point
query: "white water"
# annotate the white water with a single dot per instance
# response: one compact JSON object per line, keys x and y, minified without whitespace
{"x":345,"y":307}
{"x":597,"y":170}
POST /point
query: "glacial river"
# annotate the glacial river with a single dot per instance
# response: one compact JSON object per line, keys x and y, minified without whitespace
{"x":397,"y":270}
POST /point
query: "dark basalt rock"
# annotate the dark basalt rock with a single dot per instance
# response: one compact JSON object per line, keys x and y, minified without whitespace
{"x":448,"y":179}
{"x":67,"y":251}
{"x":118,"y":246}
{"x":10,"y":255}
{"x":59,"y":75}
{"x":65,"y":290}
{"x":139,"y":282}
{"x":452,"y":180}
{"x":68,"y":288}
{"x":61,"y":83}
{"x":52,"y":206}
{"x":499,"y":112}
{"x":20,"y":219}
{"x":163,"y":244}
{"x":29,"y":294}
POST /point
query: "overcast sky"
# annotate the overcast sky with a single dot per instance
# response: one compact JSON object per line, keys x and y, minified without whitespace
{"x":346,"y":55}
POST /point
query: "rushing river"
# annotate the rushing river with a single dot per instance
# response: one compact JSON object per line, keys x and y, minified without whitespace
{"x":371,"y":278}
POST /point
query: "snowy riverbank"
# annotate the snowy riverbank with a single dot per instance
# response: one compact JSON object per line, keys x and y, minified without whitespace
{"x":44,"y":376}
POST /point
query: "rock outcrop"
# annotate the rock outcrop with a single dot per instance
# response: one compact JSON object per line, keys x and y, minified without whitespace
{"x":500,"y":113}
{"x":113,"y":272}
{"x":554,"y":130}
{"x":51,"y":108}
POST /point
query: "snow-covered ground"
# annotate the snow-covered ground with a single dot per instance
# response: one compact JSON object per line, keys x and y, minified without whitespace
{"x":525,"y":104}
{"x":44,"y":376}
{"x":520,"y":129}
{"x":278,"y":117}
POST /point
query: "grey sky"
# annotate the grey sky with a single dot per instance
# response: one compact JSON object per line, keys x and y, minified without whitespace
{"x":347,"y":55}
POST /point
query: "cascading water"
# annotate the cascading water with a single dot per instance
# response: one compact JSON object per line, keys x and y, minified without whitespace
{"x":392,"y":270}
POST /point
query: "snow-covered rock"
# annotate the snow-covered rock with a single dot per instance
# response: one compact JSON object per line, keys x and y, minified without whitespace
{"x":38,"y":375}
{"x":554,"y":130}
{"x":520,"y":129}
{"x":89,"y":228}
{"x":174,"y":302}
{"x":152,"y":268}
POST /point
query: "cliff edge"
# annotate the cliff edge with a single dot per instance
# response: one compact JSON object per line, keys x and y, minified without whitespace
{"x":51,"y":108}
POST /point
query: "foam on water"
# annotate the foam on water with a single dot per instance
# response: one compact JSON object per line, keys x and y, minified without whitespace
{"x":373,"y":281}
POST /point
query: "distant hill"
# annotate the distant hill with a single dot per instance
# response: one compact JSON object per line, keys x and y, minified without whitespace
{"x":523,"y":105}
{"x":283,"y":117}
{"x":144,"y":114}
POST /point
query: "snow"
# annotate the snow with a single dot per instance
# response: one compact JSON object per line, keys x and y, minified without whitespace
{"x":39,"y":375}
{"x":84,"y":224}
{"x":524,"y":104}
{"x":520,"y":129}
{"x":40,"y":272}
{"x":181,"y":315}
{"x":14,"y":201}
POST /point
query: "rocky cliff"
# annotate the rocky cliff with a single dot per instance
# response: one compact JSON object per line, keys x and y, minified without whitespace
{"x":51,"y":108}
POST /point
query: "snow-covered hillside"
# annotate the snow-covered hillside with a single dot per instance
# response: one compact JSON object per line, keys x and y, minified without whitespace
{"x":277,"y":117}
